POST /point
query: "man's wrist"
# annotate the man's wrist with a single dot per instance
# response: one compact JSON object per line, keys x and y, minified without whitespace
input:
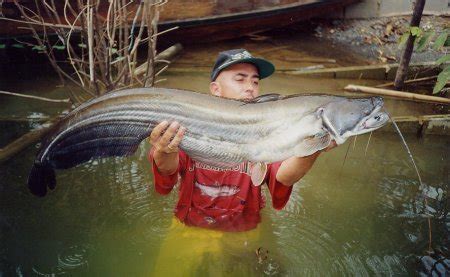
{"x":163,"y":154}
{"x":166,"y":163}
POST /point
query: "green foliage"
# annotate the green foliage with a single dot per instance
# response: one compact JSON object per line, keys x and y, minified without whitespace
{"x":416,"y":31}
{"x":440,"y":41}
{"x":422,"y":40}
{"x":38,"y":48}
{"x":18,"y":45}
{"x":59,"y":47}
{"x":442,"y":79}
{"x":443,"y":59}
{"x":403,"y":39}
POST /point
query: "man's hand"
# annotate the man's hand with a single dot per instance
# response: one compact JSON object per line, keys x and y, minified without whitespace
{"x":165,"y":140}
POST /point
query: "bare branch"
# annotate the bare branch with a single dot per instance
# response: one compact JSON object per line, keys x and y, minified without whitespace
{"x":35,"y":97}
{"x":110,"y":37}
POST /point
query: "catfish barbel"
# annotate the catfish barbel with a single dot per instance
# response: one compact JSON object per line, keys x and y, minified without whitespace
{"x":220,"y":132}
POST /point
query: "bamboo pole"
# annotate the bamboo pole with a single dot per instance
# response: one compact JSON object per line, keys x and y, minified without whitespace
{"x":21,"y":143}
{"x":307,"y":60}
{"x":408,"y":81}
{"x":22,"y":119}
{"x":36,"y":97}
{"x":26,"y":140}
{"x":398,"y":94}
{"x":41,"y":23}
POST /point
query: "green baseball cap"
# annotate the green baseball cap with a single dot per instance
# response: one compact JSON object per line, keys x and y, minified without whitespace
{"x":234,"y":56}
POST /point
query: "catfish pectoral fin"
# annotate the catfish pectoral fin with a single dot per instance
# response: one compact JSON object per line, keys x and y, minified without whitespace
{"x":258,"y":173}
{"x":41,"y":176}
{"x":311,"y":145}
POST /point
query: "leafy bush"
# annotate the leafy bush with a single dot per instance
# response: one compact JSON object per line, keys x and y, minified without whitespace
{"x":425,"y":38}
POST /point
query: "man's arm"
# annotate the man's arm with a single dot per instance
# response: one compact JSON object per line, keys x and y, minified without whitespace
{"x":165,"y":139}
{"x":294,"y":168}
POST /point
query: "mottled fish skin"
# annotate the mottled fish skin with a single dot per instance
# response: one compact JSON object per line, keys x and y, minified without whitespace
{"x":220,"y":132}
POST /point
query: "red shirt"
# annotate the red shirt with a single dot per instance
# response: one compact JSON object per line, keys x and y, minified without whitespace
{"x":215,"y":198}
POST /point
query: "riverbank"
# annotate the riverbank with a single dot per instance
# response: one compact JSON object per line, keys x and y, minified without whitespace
{"x":378,"y":39}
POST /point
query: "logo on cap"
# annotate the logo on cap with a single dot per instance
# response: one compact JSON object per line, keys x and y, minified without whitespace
{"x":243,"y":55}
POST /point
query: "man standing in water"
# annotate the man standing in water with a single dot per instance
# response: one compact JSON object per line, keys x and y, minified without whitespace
{"x":211,"y":197}
{"x":215,"y":198}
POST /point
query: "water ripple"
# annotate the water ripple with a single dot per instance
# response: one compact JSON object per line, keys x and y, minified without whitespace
{"x":70,"y":261}
{"x":73,"y":257}
{"x":313,"y":240}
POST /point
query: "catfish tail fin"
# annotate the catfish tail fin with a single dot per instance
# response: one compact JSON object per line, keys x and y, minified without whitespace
{"x":42,"y":175}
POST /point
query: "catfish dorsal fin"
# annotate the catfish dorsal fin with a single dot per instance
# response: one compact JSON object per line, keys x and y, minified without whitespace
{"x":265,"y":98}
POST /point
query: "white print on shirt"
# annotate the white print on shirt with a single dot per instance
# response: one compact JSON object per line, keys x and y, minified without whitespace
{"x":242,"y":167}
{"x":217,"y":190}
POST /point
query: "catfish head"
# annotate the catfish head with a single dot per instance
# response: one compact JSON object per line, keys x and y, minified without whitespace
{"x":352,"y":116}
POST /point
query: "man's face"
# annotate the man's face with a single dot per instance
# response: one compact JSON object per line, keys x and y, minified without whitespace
{"x":238,"y":81}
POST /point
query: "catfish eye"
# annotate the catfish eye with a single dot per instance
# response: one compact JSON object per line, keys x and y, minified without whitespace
{"x":377,"y":118}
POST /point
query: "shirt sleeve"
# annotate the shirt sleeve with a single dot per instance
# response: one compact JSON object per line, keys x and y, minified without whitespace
{"x":279,"y":192}
{"x":164,"y":183}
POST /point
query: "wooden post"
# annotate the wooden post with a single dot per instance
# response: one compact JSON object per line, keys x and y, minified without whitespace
{"x":406,"y":57}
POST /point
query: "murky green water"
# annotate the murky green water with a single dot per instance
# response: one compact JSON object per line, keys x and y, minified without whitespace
{"x":359,"y":215}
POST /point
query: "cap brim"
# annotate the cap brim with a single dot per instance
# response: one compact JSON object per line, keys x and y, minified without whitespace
{"x":265,"y":68}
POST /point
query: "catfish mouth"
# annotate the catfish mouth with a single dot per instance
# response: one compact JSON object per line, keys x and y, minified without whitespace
{"x":380,"y":119}
{"x":373,"y":121}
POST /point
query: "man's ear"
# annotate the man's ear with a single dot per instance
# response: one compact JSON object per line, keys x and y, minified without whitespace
{"x":214,"y":88}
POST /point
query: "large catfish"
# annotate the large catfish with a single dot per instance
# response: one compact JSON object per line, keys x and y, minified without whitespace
{"x":220,"y":132}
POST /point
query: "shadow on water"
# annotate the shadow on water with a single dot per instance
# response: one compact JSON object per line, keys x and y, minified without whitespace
{"x":366,"y":217}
